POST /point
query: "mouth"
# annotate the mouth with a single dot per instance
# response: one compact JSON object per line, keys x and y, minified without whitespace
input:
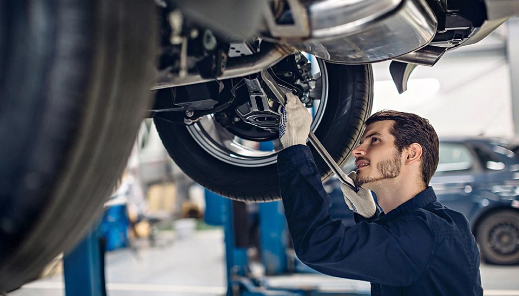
{"x":361,"y":163}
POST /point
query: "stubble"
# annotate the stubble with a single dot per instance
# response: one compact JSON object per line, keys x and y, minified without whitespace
{"x":389,"y":169}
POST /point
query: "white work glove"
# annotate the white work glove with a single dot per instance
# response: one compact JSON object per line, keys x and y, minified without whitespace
{"x":294,"y":126}
{"x":360,"y":202}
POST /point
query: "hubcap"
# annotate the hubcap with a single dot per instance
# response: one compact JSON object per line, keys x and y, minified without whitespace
{"x":504,"y":239}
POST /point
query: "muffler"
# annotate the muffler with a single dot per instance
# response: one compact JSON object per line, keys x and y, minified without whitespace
{"x":355,"y":31}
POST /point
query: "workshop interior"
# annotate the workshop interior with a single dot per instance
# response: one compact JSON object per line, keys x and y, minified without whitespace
{"x":139,"y":138}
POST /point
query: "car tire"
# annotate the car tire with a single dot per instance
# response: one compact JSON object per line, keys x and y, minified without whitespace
{"x":349,"y":103}
{"x":498,"y":237}
{"x":74,"y":87}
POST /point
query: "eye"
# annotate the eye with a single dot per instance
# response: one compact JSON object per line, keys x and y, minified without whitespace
{"x":374,"y":139}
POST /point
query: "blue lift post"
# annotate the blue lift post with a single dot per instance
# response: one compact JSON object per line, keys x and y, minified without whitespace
{"x":273,"y":238}
{"x":85,"y":265}
{"x":273,"y":231}
{"x":235,"y":258}
{"x":83,"y":268}
{"x":239,"y":280}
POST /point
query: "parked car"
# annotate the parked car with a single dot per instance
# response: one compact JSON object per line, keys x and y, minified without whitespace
{"x":478,"y":177}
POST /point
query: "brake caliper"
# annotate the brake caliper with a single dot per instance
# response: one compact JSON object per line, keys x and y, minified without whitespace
{"x":259,"y":111}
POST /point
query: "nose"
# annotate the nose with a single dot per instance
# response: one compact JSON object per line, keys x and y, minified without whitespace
{"x":358,"y":151}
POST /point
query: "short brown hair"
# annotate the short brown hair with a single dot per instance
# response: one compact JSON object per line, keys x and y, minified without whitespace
{"x":409,"y":128}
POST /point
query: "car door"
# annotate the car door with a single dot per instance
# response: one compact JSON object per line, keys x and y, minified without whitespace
{"x":456,"y":181}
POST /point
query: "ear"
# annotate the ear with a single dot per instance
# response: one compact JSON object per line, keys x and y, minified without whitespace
{"x":413,"y":153}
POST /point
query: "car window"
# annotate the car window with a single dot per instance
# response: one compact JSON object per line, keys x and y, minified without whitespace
{"x":488,"y":160}
{"x":454,"y":158}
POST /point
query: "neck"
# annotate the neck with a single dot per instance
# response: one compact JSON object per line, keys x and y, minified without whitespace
{"x":395,"y":192}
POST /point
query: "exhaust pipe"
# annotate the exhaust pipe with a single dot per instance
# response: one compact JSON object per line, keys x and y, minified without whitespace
{"x":355,"y":32}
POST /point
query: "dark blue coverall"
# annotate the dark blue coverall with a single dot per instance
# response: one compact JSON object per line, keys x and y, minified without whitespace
{"x":419,"y":248}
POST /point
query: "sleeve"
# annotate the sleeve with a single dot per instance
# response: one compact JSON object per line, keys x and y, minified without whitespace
{"x":394,"y":254}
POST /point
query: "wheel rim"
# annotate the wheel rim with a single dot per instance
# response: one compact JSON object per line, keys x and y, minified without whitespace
{"x":234,"y":150}
{"x":504,"y":239}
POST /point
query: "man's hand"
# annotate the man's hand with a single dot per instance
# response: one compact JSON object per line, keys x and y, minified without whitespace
{"x":360,"y":202}
{"x":295,"y":122}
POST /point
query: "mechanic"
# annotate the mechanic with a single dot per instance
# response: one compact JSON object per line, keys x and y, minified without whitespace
{"x":411,"y":244}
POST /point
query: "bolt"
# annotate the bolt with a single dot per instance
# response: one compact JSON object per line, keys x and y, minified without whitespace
{"x":193,"y":34}
{"x":190,"y":113}
{"x":209,"y":41}
{"x":305,"y":99}
{"x":270,"y":102}
{"x":288,"y":74}
{"x":224,"y":61}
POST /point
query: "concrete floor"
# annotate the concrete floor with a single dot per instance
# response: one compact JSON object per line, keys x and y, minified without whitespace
{"x":194,"y":266}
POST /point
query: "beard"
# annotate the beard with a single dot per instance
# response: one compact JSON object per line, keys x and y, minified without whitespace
{"x":389,"y":169}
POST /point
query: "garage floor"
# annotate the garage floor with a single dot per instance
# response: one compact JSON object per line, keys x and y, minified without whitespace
{"x":194,"y":266}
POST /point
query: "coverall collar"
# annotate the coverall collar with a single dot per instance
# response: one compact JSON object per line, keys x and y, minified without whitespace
{"x":421,"y":200}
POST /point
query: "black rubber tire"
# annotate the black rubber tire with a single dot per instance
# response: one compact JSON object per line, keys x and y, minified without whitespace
{"x":505,"y":218}
{"x":74,"y":87}
{"x":349,"y":105}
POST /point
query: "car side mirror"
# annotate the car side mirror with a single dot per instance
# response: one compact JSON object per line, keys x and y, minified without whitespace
{"x":495,"y":165}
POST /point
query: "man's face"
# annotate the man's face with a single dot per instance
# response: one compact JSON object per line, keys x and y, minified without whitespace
{"x":376,"y":157}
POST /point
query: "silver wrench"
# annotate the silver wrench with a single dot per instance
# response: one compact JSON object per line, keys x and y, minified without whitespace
{"x":280,"y":94}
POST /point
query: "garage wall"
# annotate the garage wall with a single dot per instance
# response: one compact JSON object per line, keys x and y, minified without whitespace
{"x":467,"y":92}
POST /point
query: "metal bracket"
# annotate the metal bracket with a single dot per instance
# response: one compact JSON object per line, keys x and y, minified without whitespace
{"x":400,"y":73}
{"x":300,"y":27}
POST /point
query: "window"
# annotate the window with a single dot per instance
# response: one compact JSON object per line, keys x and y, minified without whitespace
{"x":454,"y":158}
{"x":489,"y":160}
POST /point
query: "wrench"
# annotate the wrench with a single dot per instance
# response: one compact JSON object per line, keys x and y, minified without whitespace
{"x":280,"y":94}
